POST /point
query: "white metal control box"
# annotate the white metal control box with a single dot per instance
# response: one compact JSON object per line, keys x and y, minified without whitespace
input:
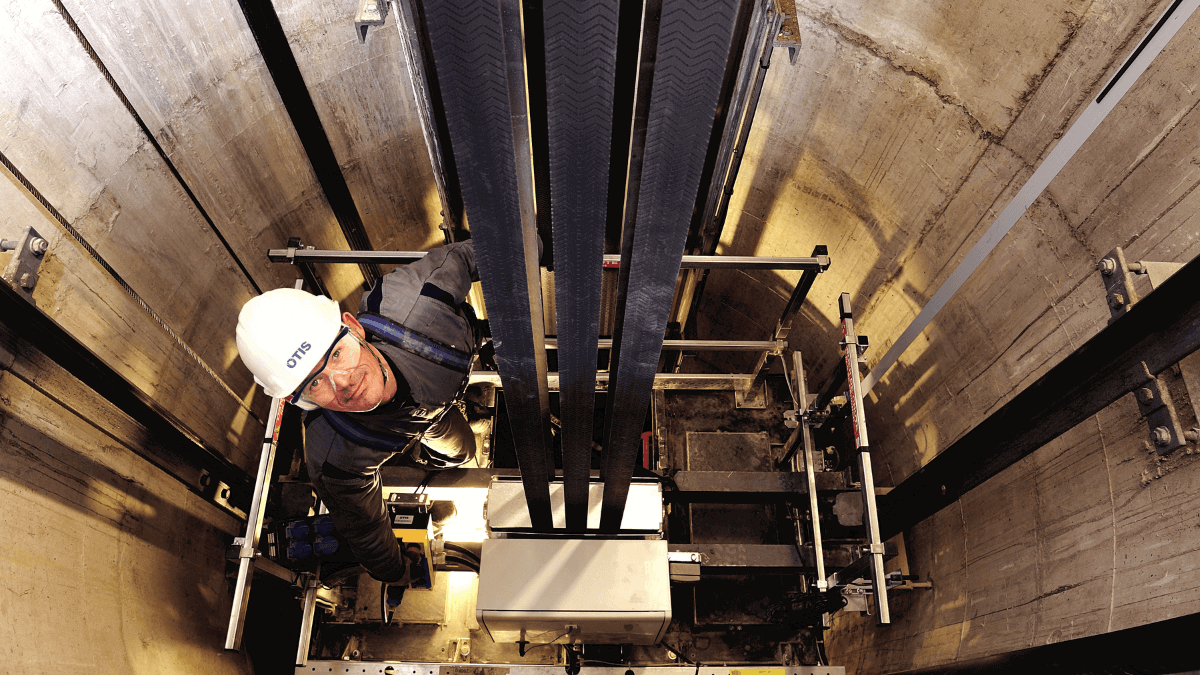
{"x":574,"y":590}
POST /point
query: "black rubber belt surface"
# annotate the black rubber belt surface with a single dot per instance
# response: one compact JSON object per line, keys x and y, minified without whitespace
{"x":467,"y":39}
{"x":581,"y":56}
{"x":693,"y":49}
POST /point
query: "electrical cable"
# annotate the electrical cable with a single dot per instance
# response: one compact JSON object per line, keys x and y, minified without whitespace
{"x":424,"y":483}
{"x":463,"y":550}
{"x":524,"y":649}
{"x":464,"y":562}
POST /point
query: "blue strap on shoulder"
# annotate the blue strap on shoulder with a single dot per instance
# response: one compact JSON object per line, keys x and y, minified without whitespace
{"x":416,"y":343}
{"x":361,"y":435}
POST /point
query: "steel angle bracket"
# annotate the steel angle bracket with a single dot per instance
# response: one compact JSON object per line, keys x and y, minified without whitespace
{"x":22,"y":270}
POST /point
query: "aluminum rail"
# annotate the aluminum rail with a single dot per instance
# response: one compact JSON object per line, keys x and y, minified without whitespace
{"x":1156,"y":333}
{"x":308,"y":611}
{"x":249,"y":548}
{"x":685,"y":381}
{"x":702,"y":345}
{"x":1155,"y":40}
{"x":296,"y":255}
{"x":852,"y":357}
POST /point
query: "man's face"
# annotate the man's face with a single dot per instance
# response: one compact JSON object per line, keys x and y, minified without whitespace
{"x":351,"y":379}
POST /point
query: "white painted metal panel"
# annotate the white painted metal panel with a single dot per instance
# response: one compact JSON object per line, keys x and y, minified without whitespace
{"x":507,"y":511}
{"x":574,"y":590}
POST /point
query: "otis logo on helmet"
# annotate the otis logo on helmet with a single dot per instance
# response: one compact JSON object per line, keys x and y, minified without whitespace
{"x":298,"y":354}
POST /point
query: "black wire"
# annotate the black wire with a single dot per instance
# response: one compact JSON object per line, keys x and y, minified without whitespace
{"x":547,"y":644}
{"x":464,"y":550}
{"x":465,"y":563}
{"x":424,"y":483}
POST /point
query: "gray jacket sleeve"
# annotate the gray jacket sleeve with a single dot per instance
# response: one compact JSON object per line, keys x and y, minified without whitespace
{"x":354,"y":497}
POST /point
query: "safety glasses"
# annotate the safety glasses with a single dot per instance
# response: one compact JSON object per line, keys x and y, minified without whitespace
{"x":340,"y":359}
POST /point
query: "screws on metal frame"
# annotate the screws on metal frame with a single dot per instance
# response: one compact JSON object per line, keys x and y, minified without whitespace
{"x":27,"y":281}
{"x":38,"y":246}
{"x":1145,"y":395}
{"x":1116,"y":300}
{"x":1107,"y":266}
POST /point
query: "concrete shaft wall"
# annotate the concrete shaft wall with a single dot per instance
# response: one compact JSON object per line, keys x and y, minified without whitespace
{"x":896,"y":139}
{"x":113,"y":566}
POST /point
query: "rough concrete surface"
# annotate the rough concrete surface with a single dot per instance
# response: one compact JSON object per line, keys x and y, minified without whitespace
{"x":110,"y":566}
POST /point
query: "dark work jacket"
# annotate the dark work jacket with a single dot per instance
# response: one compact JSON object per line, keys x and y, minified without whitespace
{"x":424,"y":297}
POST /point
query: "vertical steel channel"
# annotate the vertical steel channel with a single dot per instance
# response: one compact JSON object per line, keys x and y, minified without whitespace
{"x":478,"y":54}
{"x":866,"y":474}
{"x":581,"y":58}
{"x":801,"y":397}
{"x":693,"y":51}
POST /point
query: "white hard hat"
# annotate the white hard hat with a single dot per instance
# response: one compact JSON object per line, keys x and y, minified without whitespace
{"x":282,"y":334}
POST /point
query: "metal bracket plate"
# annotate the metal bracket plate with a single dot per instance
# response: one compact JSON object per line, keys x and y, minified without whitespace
{"x":1154,"y":403}
{"x":22,"y":270}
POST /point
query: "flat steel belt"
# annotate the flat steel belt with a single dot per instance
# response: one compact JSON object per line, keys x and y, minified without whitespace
{"x":581,"y":60}
{"x":693,"y":50}
{"x":478,"y":87}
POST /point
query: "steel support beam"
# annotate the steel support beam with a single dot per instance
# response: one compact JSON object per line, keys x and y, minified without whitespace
{"x":1158,"y":331}
{"x":684,"y":381}
{"x":581,"y":60}
{"x":752,"y":558}
{"x":693,"y":50}
{"x":170,"y":445}
{"x":478,"y":54}
{"x":748,"y":487}
{"x":699,"y":345}
{"x":817,"y":263}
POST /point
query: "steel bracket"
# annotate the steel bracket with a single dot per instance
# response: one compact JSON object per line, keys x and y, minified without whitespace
{"x":1153,"y":398}
{"x":750,"y":393}
{"x":1118,"y":283}
{"x":370,"y":13}
{"x":684,"y":566}
{"x":22,"y":270}
{"x":1154,"y":403}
